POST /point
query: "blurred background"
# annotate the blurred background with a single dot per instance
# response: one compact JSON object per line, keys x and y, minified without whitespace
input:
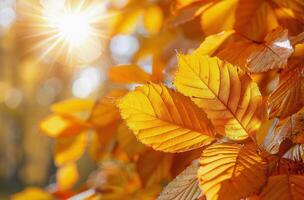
{"x":45,"y":57}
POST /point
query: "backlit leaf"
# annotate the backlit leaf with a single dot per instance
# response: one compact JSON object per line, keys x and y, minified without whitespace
{"x":72,"y":105}
{"x":288,"y":97}
{"x":182,"y":160}
{"x":59,"y":126}
{"x":229,"y":97}
{"x":218,"y":16}
{"x":128,"y":141}
{"x":128,"y":20}
{"x":77,"y":109}
{"x":284,"y":187}
{"x":32,"y":193}
{"x":273,"y":53}
{"x":231,"y":171}
{"x":165,"y":120}
{"x":290,"y":15}
{"x":69,"y":149}
{"x":184,"y":186}
{"x":291,"y":128}
{"x":178,"y":4}
{"x":153,"y":19}
{"x":187,"y":12}
{"x":156,"y":171}
{"x":252,"y":18}
{"x":213,"y":42}
{"x":105,"y":111}
{"x":67,"y":176}
{"x":128,"y":74}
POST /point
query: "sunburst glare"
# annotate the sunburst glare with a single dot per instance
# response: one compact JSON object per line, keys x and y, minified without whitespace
{"x":68,"y":32}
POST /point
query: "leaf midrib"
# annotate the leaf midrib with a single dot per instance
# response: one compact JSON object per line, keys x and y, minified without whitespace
{"x":234,"y":116}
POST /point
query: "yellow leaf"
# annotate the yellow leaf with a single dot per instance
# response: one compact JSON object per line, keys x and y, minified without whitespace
{"x":218,"y":17}
{"x":183,"y":3}
{"x":283,"y":187}
{"x":153,"y":19}
{"x":165,"y":120}
{"x":229,"y":97}
{"x":72,"y":105}
{"x":231,"y":171}
{"x":67,"y":176}
{"x":127,"y":21}
{"x":32,"y":193}
{"x":184,"y":186}
{"x":73,"y":108}
{"x":213,"y":42}
{"x":128,"y":74}
{"x":57,"y":126}
{"x":288,"y":97}
{"x":69,"y":149}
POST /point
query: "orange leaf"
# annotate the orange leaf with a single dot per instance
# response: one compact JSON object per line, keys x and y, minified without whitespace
{"x":231,"y":171}
{"x":156,"y":171}
{"x":128,"y":74}
{"x":105,"y":111}
{"x":287,"y":18}
{"x":252,"y":18}
{"x":283,"y":187}
{"x":187,"y":12}
{"x":69,"y":149}
{"x":273,"y":53}
{"x":128,"y":141}
{"x":291,"y":128}
{"x":288,"y":97}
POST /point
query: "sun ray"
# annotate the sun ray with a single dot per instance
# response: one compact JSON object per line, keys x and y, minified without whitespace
{"x":62,"y":32}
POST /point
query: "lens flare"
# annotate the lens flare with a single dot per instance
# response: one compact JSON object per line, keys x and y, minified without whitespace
{"x":68,"y":32}
{"x":74,"y":28}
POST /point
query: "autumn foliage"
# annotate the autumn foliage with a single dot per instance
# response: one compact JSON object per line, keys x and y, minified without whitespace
{"x":220,"y":116}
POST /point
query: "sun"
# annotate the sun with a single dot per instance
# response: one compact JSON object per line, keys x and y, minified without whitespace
{"x":68,"y":32}
{"x":74,"y":28}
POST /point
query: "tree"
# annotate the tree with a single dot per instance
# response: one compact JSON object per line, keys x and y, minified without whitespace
{"x":224,"y":128}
